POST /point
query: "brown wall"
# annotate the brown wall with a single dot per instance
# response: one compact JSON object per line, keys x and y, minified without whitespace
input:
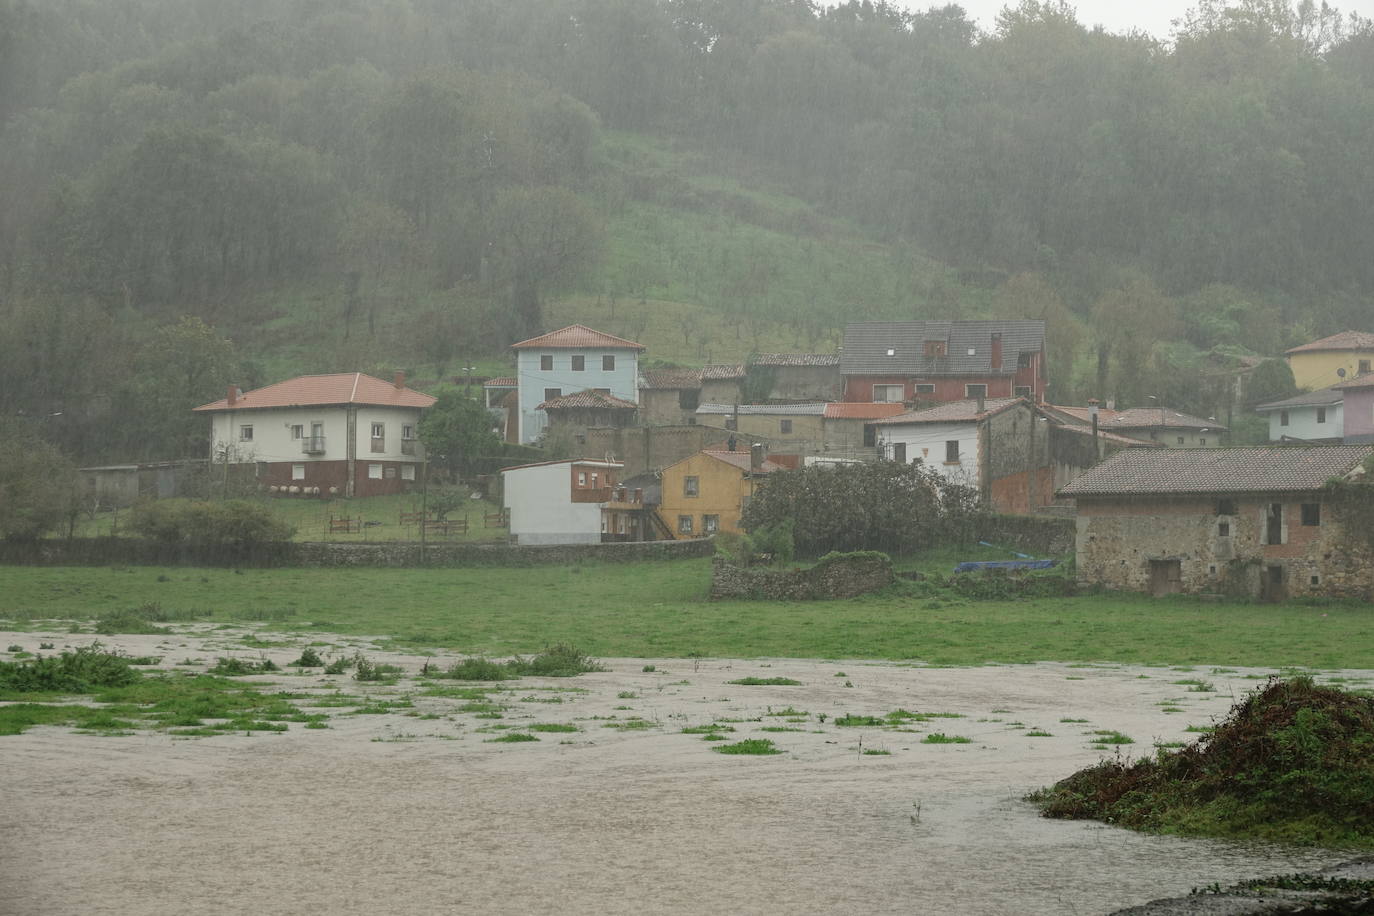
{"x":649,"y":448}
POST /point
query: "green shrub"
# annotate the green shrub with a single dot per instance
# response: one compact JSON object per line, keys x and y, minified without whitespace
{"x":309,"y":659}
{"x":233,"y":523}
{"x":756,"y":746}
{"x":561,"y":660}
{"x":81,"y":670}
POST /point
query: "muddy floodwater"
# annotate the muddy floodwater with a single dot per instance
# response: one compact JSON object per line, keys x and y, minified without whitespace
{"x":415,"y":809}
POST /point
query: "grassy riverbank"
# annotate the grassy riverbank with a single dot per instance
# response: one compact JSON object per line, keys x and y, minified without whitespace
{"x":659,"y":609}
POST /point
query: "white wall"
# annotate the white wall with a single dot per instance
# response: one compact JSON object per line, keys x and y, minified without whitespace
{"x":1302,"y":423}
{"x":926,"y":441}
{"x":272,"y":439}
{"x":623,"y":381}
{"x":539,"y":500}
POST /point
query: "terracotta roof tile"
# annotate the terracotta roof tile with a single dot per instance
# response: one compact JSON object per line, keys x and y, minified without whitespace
{"x":719,"y":373}
{"x":965,"y":411}
{"x":1345,"y":340}
{"x":1359,"y":381}
{"x":505,"y":381}
{"x":1264,"y":469}
{"x":323,"y":391}
{"x":1322,"y":397}
{"x":577,"y":336}
{"x":741,"y":460}
{"x":667,"y":379}
{"x":1157,"y":417}
{"x":767,"y":410}
{"x":795,"y":359}
{"x":847,"y":410}
{"x":586,"y":399}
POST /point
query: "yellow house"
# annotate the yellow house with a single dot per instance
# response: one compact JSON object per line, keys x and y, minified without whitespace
{"x":1326,"y":362}
{"x":707,"y":492}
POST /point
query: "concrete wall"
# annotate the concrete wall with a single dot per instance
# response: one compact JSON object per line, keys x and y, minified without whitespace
{"x":804,"y":383}
{"x":926,"y":441}
{"x":542,"y":511}
{"x":1302,"y":423}
{"x":274,"y":439}
{"x":623,"y":380}
{"x":1117,"y":540}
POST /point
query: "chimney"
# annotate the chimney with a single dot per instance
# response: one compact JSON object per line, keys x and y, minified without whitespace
{"x":399,"y":380}
{"x":233,"y":396}
{"x":996,"y":350}
{"x":756,"y":456}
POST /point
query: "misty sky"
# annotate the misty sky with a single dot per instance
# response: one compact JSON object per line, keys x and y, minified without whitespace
{"x":1153,"y":16}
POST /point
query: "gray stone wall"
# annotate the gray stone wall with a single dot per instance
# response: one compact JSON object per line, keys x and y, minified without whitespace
{"x":835,"y":576}
{"x":1037,"y":535}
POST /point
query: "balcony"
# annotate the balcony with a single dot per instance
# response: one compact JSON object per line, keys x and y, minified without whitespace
{"x":312,"y":445}
{"x":626,"y":498}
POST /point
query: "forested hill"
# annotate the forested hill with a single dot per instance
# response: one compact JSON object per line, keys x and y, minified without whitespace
{"x":413,"y":183}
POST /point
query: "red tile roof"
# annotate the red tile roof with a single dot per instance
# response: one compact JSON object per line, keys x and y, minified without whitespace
{"x":855,"y":410}
{"x":667,"y":379}
{"x":505,"y":381}
{"x":586,"y":399}
{"x":741,"y":460}
{"x":577,"y":337}
{"x":795,"y":359}
{"x":722,"y":372}
{"x":1156,"y":417}
{"x":1359,"y":381}
{"x":965,"y":411}
{"x":1345,"y":340}
{"x":325,"y":391}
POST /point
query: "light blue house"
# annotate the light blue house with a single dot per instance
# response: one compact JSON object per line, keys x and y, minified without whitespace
{"x":573,"y":359}
{"x":1315,"y":416}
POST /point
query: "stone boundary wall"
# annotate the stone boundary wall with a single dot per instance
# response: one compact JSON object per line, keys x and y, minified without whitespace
{"x":138,"y":552}
{"x":841,"y":575}
{"x":1033,"y":534}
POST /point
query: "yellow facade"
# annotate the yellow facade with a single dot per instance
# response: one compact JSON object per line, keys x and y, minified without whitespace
{"x":721,"y":488}
{"x":1316,"y":369}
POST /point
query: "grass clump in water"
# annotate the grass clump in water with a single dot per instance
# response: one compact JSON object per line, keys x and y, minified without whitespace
{"x":561,"y":660}
{"x":766,"y":682}
{"x":942,"y":738}
{"x":78,"y":671}
{"x":1293,"y":762}
{"x":755,"y":746}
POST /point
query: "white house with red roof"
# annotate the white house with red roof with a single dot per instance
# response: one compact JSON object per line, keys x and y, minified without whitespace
{"x":562,"y":502}
{"x":345,"y":434}
{"x":572,"y":359}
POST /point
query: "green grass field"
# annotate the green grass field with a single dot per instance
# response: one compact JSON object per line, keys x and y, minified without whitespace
{"x":660,"y":609}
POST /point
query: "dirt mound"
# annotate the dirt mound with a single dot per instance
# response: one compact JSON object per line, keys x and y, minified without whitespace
{"x":1293,"y":762}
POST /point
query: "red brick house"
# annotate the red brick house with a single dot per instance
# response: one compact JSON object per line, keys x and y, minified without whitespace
{"x":938,"y":361}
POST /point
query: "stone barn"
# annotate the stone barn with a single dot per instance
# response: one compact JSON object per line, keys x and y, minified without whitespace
{"x":1258,"y":522}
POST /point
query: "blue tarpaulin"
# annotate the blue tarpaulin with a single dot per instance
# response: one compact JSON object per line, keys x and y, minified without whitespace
{"x":1005,"y":564}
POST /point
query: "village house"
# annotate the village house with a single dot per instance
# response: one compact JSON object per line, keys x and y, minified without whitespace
{"x":1011,"y":451}
{"x":669,"y":397}
{"x":502,"y":399}
{"x":1250,"y":521}
{"x":1331,"y":360}
{"x":798,"y":427}
{"x":1314,"y":416}
{"x":1357,"y":409}
{"x":788,"y":377}
{"x":706,"y":493}
{"x":849,"y":428}
{"x":1165,"y":425}
{"x":571,"y":501}
{"x":937,"y":361}
{"x":346,"y":434}
{"x":573,"y":415}
{"x":571,"y":359}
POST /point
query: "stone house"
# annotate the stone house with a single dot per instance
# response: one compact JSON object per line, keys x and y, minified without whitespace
{"x":669,"y":397}
{"x":1248,"y":521}
{"x":789,"y":427}
{"x":1326,"y":362}
{"x":345,"y":434}
{"x":904,"y":361}
{"x":571,"y":416}
{"x":796,"y":376}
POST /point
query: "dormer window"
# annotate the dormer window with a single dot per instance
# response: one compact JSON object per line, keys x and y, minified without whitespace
{"x":891,"y":351}
{"x":935,"y":348}
{"x":972,"y":351}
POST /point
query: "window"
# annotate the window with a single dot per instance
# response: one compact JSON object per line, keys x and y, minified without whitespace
{"x":972,"y":351}
{"x":407,"y":432}
{"x":620,"y":522}
{"x":605,"y":391}
{"x":374,"y":472}
{"x":1273,"y":524}
{"x":684,"y":524}
{"x":785,"y":426}
{"x":1321,"y":414}
{"x":1315,"y":580}
{"x":888,"y":394}
{"x":262,"y":471}
{"x":1311,"y":514}
{"x":594,"y":479}
{"x":551,"y":393}
{"x":579,"y":363}
{"x":1223,"y":529}
{"x":925,"y":388}
{"x":546,"y":362}
{"x":407,"y":472}
{"x":1023,"y":391}
{"x":1364,"y":366}
{"x":1283,"y":418}
{"x":1023,"y":359}
{"x":688,"y":399}
{"x":608,"y":363}
{"x":975,"y":391}
{"x":1202,"y":441}
{"x":298,"y":431}
{"x":870,"y":435}
{"x":390,"y":473}
{"x":891,"y":351}
{"x":952,"y":451}
{"x":297,"y":472}
{"x":379,"y":430}
{"x":710,"y":524}
{"x":1226,"y":507}
{"x":899,"y":452}
{"x":246,"y":433}
{"x":1180,"y":440}
{"x":691,"y":486}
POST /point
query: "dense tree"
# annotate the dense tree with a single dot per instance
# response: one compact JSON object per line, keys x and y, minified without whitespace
{"x":37,"y":482}
{"x":457,"y":431}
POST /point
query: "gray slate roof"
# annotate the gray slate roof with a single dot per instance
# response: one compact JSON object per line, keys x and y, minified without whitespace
{"x":1322,"y":397}
{"x":866,"y":345}
{"x":1263,"y":469}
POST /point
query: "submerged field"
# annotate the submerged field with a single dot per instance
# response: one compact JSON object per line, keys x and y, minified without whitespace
{"x":660,"y":609}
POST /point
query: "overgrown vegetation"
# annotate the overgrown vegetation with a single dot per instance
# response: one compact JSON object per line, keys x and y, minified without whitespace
{"x":231,"y":523}
{"x":81,"y":670}
{"x":561,"y":660}
{"x":1293,"y":762}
